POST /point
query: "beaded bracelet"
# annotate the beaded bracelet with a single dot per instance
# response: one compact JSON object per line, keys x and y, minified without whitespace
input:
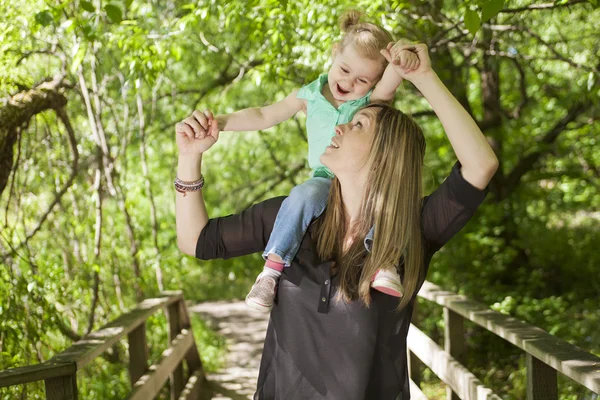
{"x":188,"y":186}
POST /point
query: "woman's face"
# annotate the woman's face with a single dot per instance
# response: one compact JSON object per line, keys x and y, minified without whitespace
{"x":349,"y":150}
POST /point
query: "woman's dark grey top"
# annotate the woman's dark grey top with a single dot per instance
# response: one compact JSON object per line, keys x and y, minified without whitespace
{"x":316,"y":346}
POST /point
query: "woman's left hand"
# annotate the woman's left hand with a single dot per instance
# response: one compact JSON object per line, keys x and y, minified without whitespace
{"x":404,"y":63}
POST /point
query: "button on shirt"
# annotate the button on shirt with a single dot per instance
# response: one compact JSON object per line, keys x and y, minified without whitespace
{"x":319,"y":346}
{"x":322,"y":118}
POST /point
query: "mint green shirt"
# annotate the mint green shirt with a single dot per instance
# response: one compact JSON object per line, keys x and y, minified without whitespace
{"x":321,"y":119}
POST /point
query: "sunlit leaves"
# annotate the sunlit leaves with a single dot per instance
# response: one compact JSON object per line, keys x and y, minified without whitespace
{"x":187,"y":55}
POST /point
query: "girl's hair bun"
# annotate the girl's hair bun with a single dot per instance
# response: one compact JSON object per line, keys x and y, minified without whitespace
{"x":349,"y":19}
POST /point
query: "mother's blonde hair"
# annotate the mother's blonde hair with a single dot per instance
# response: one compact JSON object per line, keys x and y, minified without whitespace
{"x":392,"y":203}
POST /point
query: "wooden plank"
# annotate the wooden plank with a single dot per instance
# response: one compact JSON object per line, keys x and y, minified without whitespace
{"x":94,"y":344}
{"x":192,"y":387}
{"x":138,"y":353}
{"x":541,"y":380}
{"x":148,"y":386}
{"x":33,"y":373}
{"x":61,"y":388}
{"x":461,"y":380}
{"x":573,"y":362}
{"x":415,"y":392}
{"x":454,"y":342}
{"x":176,"y":378}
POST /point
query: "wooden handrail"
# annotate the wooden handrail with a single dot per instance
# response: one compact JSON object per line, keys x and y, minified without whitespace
{"x":545,"y":353}
{"x":59,"y":373}
{"x":97,"y":342}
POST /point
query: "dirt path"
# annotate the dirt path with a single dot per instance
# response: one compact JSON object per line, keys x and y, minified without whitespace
{"x":244,"y":330}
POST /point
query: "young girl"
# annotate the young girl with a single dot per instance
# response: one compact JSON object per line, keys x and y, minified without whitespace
{"x":360,"y":74}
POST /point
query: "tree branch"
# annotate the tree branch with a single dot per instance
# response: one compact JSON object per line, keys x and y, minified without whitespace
{"x":97,"y":246}
{"x":142,"y":127}
{"x":282,"y":176}
{"x":516,"y":113}
{"x":17,"y":111}
{"x":60,"y":112}
{"x":544,"y":6}
{"x":527,"y":163}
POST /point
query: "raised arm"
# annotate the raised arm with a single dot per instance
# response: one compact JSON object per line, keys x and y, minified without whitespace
{"x":190,"y":210}
{"x":223,"y":237}
{"x":398,"y":55}
{"x":257,"y":118}
{"x":479,"y":163}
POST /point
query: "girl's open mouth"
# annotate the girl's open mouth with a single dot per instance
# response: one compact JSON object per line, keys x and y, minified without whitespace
{"x":340,"y":90}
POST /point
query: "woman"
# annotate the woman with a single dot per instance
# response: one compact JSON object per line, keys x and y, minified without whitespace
{"x":330,"y":336}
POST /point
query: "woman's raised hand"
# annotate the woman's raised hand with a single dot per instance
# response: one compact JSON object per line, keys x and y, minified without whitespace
{"x":197,"y":133}
{"x":404,"y":63}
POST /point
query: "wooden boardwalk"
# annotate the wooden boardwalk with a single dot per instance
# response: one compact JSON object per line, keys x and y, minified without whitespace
{"x":244,"y":330}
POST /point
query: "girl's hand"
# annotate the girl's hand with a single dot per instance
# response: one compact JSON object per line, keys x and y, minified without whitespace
{"x":409,"y":60}
{"x":197,"y":133}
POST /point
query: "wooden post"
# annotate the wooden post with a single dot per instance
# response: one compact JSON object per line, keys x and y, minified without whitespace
{"x":192,"y":357}
{"x":174,"y":316}
{"x":541,"y":380}
{"x":61,"y":388}
{"x":138,"y":353}
{"x":454,"y":342}
{"x":415,"y":366}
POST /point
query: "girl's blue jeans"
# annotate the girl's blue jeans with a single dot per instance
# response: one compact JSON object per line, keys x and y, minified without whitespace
{"x":306,"y":202}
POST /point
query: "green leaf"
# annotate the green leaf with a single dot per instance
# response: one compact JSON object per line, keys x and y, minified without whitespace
{"x":472,"y":21}
{"x":114,"y":13}
{"x":491,"y":9}
{"x":128,"y":3}
{"x":87,"y":6}
{"x":44,"y":18}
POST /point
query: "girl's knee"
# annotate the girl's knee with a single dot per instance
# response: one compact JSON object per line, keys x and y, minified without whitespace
{"x":310,"y":190}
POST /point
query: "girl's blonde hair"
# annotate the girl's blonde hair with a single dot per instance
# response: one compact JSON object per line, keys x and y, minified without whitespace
{"x":392,"y":203}
{"x":368,"y":38}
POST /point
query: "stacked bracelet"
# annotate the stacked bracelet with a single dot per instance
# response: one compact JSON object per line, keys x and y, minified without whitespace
{"x":188,"y":186}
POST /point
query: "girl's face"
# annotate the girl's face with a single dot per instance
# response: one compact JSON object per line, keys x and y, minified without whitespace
{"x":352,"y":75}
{"x":350,"y":147}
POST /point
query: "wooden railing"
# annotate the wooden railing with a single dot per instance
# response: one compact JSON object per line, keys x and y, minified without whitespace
{"x":545,"y":354}
{"x":60,"y":373}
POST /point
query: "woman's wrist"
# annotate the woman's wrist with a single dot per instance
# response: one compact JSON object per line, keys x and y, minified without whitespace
{"x":424,"y":79}
{"x":189,"y":167}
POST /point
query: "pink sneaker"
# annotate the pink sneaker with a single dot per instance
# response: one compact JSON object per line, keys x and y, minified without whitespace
{"x":262,"y":294}
{"x":388,"y":282}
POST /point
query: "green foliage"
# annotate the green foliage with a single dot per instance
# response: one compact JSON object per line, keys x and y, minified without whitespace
{"x":530,"y":252}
